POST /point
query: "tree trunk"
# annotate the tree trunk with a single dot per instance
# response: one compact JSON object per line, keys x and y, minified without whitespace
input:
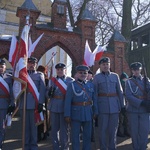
{"x":127,"y":22}
{"x":70,"y":13}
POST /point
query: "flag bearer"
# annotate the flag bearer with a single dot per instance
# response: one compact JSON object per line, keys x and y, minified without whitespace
{"x":6,"y":98}
{"x":57,"y":92}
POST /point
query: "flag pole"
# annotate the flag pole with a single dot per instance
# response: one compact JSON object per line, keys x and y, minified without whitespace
{"x":53,"y":54}
{"x":23,"y":121}
{"x":24,"y":105}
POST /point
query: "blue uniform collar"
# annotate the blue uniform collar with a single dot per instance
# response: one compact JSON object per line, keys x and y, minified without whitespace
{"x":106,"y":73}
{"x":139,"y":77}
{"x":63,"y":77}
{"x":81,"y":81}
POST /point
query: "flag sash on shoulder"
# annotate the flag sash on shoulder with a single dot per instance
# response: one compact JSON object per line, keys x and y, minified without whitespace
{"x":61,"y":85}
{"x":33,"y":89}
{"x":4,"y":86}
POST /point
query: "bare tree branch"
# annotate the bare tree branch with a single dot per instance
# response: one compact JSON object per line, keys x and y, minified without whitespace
{"x":70,"y":13}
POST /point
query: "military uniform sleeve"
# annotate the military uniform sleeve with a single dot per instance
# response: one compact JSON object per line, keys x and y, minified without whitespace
{"x":148,"y":88}
{"x":95,"y":107}
{"x":11,"y":91}
{"x":95,"y":82}
{"x":68,"y":100}
{"x":130,"y":97}
{"x":120,"y":93}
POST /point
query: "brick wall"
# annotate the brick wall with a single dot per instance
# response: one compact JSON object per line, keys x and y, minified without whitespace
{"x":73,"y":43}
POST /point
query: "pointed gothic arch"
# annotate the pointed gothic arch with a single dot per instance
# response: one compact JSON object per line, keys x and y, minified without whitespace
{"x":72,"y":41}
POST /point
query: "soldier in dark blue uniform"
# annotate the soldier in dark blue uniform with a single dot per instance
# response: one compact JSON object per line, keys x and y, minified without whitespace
{"x":57,"y":91}
{"x":138,"y":107}
{"x":6,"y":99}
{"x":110,"y":102}
{"x":30,"y":127}
{"x":80,"y":108}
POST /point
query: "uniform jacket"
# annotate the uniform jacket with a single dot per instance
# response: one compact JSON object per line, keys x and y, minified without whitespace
{"x":132,"y":91}
{"x":39,"y":81}
{"x":76,"y":94}
{"x":4,"y":102}
{"x":57,"y":105}
{"x":108,"y":83}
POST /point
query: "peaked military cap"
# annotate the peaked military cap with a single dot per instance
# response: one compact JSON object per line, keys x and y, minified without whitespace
{"x":104,"y":60}
{"x":60,"y":65}
{"x":82,"y":68}
{"x":136,"y":66}
{"x":32,"y":60}
{"x":123,"y":75}
{"x":2,"y":62}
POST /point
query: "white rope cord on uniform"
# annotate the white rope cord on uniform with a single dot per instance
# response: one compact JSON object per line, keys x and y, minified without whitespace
{"x":134,"y":92}
{"x":77,"y":94}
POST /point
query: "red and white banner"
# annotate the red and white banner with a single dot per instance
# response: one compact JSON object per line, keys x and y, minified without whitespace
{"x":32,"y":46}
{"x":90,"y":57}
{"x":4,"y":86}
{"x":13,"y":50}
{"x":87,"y":55}
{"x":98,"y":52}
{"x":21,"y":63}
{"x":60,"y":84}
{"x":21,"y":73}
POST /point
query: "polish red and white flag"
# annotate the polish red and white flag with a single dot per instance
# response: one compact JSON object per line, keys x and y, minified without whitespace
{"x":98,"y":52}
{"x":87,"y":55}
{"x":22,"y":79}
{"x":33,"y":46}
{"x":20,"y":72}
{"x":13,"y":50}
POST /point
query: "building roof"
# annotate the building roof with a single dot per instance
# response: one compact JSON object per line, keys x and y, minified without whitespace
{"x":11,"y":5}
{"x":87,"y":15}
{"x":28,"y":4}
{"x":117,"y":36}
{"x":143,"y":28}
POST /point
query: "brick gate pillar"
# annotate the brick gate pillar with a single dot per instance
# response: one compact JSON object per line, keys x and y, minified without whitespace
{"x":27,"y":8}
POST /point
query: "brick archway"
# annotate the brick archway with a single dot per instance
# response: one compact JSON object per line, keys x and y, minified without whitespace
{"x":65,"y":42}
{"x":56,"y":32}
{"x":72,"y":42}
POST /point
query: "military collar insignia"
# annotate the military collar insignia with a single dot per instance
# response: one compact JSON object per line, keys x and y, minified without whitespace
{"x":81,"y":81}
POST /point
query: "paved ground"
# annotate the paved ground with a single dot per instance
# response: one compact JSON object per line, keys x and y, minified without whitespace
{"x":13,"y":140}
